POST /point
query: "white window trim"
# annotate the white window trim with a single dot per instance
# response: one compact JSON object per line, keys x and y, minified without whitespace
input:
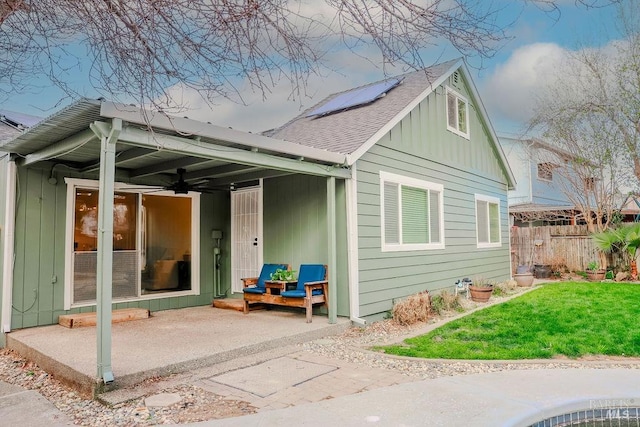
{"x":488,"y":199}
{"x":466,"y":103}
{"x":417,"y":183}
{"x":72,"y":184}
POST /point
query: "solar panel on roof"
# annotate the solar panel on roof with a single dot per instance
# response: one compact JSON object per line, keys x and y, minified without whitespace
{"x":355,"y":97}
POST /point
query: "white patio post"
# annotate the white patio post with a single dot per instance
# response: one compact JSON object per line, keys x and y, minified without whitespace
{"x":331,"y":243}
{"x":104,"y":276}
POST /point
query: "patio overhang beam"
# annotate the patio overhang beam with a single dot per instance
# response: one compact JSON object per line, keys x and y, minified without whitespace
{"x":250,"y":176}
{"x":186,"y":146}
{"x":172,"y":165}
{"x":121,"y":157}
{"x":187,"y":126}
{"x":59,"y":148}
{"x":220,"y":171}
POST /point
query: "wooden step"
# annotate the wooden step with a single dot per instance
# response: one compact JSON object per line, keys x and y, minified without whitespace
{"x":89,"y":319}
{"x":234,"y":304}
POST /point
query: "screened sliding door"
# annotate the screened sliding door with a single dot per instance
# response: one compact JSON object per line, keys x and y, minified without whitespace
{"x":125,"y":253}
{"x":152,"y":241}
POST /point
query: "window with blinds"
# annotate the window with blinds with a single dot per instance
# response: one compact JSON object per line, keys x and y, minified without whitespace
{"x":488,"y":221}
{"x":411,"y":212}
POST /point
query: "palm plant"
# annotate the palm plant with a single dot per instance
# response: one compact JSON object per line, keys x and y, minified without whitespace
{"x":626,"y":238}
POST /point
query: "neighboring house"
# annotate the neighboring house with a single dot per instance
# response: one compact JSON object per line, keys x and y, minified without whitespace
{"x":398,"y":194}
{"x":12,"y":123}
{"x":539,"y":197}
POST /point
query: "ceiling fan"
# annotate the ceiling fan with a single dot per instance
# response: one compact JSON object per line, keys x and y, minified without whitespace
{"x":181,"y":186}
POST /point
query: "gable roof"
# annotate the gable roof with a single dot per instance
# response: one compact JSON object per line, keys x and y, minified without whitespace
{"x":354,"y":131}
{"x":348,"y":130}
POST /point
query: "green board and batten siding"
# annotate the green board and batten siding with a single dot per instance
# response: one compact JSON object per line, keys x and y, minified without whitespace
{"x":295,"y":226}
{"x":421,"y":147}
{"x":38,"y":289}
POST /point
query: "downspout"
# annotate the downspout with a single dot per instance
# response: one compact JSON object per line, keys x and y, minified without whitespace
{"x":9,"y":242}
{"x":352,"y":244}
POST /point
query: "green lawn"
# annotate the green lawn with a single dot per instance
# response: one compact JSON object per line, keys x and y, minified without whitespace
{"x":573,"y":319}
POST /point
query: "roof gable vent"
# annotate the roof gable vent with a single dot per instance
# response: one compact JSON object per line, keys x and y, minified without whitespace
{"x":455,"y":78}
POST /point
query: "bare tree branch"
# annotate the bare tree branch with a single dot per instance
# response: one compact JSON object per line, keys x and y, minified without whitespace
{"x":139,"y":49}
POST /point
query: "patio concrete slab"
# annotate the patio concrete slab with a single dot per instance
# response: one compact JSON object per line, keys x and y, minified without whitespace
{"x":272,"y":376}
{"x":168,"y":342}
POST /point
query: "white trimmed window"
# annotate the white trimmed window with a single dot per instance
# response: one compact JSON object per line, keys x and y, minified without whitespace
{"x":488,"y":221}
{"x":156,"y":244}
{"x":545,"y":171}
{"x":412,"y":213}
{"x":457,"y":113}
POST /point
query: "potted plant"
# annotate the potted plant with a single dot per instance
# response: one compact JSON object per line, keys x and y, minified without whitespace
{"x":594,"y":272}
{"x":481,"y":290}
{"x":284,"y":275}
{"x":523,"y":276}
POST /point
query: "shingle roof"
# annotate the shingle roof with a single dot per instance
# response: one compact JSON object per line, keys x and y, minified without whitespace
{"x":12,"y":123}
{"x":346,"y":131}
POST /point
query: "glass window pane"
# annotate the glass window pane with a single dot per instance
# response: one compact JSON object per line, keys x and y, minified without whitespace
{"x":482,"y":221}
{"x":451,"y":110}
{"x":462,"y":116}
{"x":391,"y":213}
{"x":434,"y":216}
{"x":85,"y":235}
{"x":494,"y":225}
{"x":415,"y":227}
{"x":167,"y":243}
{"x":125,"y":255}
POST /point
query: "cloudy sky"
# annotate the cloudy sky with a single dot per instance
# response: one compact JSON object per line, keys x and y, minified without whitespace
{"x":507,"y":82}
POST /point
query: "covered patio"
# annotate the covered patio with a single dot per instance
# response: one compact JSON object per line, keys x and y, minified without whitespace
{"x":168,"y":342}
{"x":94,"y":151}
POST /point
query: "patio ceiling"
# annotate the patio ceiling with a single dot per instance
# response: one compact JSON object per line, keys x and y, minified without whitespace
{"x":152,"y":146}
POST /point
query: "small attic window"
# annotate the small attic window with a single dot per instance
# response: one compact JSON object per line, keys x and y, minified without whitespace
{"x":457,"y":113}
{"x":355,"y":97}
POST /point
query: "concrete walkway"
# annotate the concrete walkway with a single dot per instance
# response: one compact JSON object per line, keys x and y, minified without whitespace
{"x":27,"y":408}
{"x":507,"y":398}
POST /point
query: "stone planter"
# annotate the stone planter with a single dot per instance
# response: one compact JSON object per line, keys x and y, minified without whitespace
{"x":480,"y":293}
{"x":523,"y":279}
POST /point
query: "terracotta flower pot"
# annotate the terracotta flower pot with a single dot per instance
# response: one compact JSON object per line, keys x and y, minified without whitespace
{"x":596,"y":275}
{"x":480,"y":293}
{"x":523,"y":279}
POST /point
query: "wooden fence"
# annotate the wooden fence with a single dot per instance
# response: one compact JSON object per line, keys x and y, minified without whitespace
{"x":557,"y":245}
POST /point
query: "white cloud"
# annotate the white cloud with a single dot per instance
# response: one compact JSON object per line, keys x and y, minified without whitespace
{"x":509,"y":91}
{"x":348,"y":70}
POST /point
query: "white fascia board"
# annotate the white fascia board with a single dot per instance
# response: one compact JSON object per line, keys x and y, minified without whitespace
{"x":180,"y":145}
{"x":186,"y":126}
{"x":353,"y":157}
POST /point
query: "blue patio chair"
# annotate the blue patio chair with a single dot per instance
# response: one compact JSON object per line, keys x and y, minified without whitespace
{"x":311,"y":289}
{"x":255,"y":285}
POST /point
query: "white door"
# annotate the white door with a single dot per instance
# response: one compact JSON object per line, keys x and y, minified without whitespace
{"x":246,"y":235}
